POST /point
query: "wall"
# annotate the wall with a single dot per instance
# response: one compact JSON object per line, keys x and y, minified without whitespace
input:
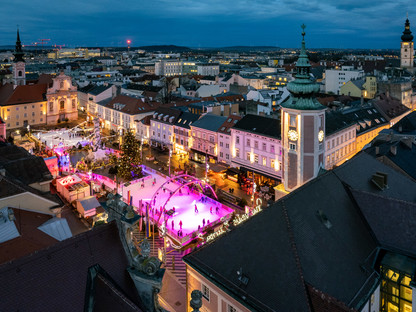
{"x":219,"y":301}
{"x":15,"y":115}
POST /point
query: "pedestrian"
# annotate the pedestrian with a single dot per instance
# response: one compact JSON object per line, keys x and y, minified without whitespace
{"x":210,"y":210}
{"x":173,"y":225}
{"x":196,"y":209}
{"x":180,"y":224}
{"x":217,"y":210}
{"x":179,"y":232}
{"x":154,"y":180}
{"x":203,"y":222}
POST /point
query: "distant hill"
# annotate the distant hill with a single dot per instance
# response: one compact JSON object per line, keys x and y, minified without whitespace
{"x":165,"y":48}
{"x":243,"y":48}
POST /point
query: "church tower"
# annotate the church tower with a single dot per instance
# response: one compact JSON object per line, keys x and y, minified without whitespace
{"x":302,"y":127}
{"x":19,"y":70}
{"x":407,"y":49}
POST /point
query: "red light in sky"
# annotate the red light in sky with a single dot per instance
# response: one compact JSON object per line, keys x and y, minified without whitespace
{"x":128,"y":41}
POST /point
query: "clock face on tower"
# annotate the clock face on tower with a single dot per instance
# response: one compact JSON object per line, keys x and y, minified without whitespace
{"x":320,"y":136}
{"x":292,"y":135}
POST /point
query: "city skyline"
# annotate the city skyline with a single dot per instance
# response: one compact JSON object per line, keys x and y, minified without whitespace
{"x":213,"y":23}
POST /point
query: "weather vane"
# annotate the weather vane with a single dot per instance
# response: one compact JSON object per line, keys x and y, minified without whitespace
{"x":303,"y":26}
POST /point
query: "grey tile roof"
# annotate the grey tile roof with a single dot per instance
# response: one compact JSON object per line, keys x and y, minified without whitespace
{"x":321,"y":226}
{"x":209,"y":122}
{"x":261,"y":125}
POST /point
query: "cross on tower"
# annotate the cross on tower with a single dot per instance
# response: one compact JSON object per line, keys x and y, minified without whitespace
{"x":303,"y":26}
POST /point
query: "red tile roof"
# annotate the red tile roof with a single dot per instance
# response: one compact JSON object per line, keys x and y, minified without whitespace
{"x":22,"y":94}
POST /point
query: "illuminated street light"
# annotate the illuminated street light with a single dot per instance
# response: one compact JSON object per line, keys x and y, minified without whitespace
{"x":170,"y":155}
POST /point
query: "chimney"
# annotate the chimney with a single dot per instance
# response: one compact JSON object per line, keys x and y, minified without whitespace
{"x":393,"y":149}
{"x":379,"y":179}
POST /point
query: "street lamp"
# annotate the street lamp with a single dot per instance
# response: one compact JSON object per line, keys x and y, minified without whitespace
{"x":170,"y":155}
{"x":141,"y":150}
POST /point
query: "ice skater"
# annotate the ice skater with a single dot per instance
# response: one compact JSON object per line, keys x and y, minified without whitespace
{"x":173,"y":225}
{"x":203,"y":222}
{"x":196,"y":209}
{"x":180,"y":224}
{"x":210,"y":210}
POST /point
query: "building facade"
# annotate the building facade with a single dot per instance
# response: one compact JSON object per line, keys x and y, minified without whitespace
{"x":256,"y":146}
{"x":62,"y":100}
{"x":407,"y":49}
{"x":302,"y":128}
{"x":336,"y":78}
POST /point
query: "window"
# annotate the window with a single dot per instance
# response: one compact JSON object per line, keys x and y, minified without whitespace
{"x":248,"y":156}
{"x":231,"y":308}
{"x":292,"y":120}
{"x":227,"y":156}
{"x":221,"y":144}
{"x":292,"y":147}
{"x":17,"y":116}
{"x":227,"y":145}
{"x":17,"y":123}
{"x":256,"y":144}
{"x":73,"y":103}
{"x":271,"y":148}
{"x":264,"y":147}
{"x":205,"y":292}
{"x":221,"y":154}
{"x":256,"y":158}
{"x":264,"y":160}
{"x":62,"y":104}
{"x":272,"y":163}
{"x":62,"y":85}
{"x":237,"y":139}
{"x":33,"y":113}
{"x":237,"y":153}
{"x":248,"y":142}
{"x":25,"y":115}
{"x":25,"y":107}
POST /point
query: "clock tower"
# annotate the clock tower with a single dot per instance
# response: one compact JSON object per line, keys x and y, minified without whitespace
{"x":302,"y":127}
{"x":407,"y":49}
{"x":19,"y":68}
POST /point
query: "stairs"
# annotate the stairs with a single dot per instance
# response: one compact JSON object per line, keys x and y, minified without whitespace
{"x":174,"y":262}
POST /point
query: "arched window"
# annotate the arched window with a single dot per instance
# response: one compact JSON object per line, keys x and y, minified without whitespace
{"x":51,"y":106}
{"x":62,"y":84}
{"x":73,"y":103}
{"x":19,"y":73}
{"x":62,"y":104}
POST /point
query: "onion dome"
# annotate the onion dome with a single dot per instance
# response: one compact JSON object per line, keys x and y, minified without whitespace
{"x":407,"y":34}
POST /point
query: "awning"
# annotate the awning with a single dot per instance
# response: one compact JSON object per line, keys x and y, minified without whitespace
{"x":232,"y":171}
{"x":218,"y":167}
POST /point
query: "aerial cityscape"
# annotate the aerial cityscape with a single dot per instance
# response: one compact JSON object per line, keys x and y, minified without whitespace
{"x":199,"y":157}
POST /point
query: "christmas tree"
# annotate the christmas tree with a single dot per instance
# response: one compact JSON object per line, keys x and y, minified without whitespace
{"x":129,"y":166}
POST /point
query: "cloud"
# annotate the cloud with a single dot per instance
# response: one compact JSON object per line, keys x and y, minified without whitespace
{"x":208,"y":22}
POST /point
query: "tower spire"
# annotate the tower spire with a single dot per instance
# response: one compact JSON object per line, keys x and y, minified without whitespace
{"x":303,"y":87}
{"x":18,"y":54}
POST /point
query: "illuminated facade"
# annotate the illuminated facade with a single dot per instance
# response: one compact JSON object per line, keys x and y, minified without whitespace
{"x":62,"y":100}
{"x":302,"y":127}
{"x":407,"y":48}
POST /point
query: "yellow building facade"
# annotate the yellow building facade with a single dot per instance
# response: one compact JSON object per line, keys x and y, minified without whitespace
{"x":366,"y":87}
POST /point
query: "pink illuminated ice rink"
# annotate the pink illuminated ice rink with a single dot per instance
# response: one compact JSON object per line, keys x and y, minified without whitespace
{"x":184,"y":203}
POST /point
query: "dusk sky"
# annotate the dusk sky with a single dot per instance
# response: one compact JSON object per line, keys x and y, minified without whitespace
{"x":208,"y":23}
